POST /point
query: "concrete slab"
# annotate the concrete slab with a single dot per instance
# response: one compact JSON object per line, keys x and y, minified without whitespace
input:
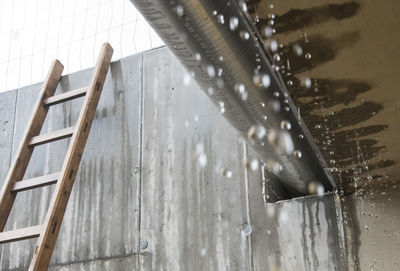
{"x":191,"y":216}
{"x":140,"y":184}
{"x":96,"y":224}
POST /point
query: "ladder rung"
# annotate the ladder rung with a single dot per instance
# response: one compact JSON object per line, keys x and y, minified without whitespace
{"x":20,"y":234}
{"x":67,"y":96}
{"x":52,"y":136}
{"x":35,"y":182}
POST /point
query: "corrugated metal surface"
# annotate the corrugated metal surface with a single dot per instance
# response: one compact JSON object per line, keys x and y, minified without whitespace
{"x":139,"y":183}
{"x":200,"y":37}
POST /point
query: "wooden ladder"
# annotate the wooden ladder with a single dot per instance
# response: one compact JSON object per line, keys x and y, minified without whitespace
{"x":47,"y":232}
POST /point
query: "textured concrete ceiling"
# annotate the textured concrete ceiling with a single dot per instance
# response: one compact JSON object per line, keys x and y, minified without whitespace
{"x":353,"y":105}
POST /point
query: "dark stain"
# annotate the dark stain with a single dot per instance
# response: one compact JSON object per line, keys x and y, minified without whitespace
{"x":341,"y":118}
{"x":333,"y":92}
{"x":304,"y":238}
{"x":321,"y":49}
{"x":355,"y":115}
{"x":296,"y":19}
{"x":360,"y":132}
{"x":312,"y":234}
{"x":382,"y":164}
{"x":353,"y":230}
{"x":104,"y":112}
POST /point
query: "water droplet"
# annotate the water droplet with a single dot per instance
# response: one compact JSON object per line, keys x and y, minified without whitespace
{"x":297,"y":154}
{"x":197,"y":56}
{"x":243,"y":5}
{"x":214,"y":12}
{"x":274,"y":105}
{"x":315,"y":188}
{"x":271,"y":16}
{"x":196,"y":118}
{"x":262,"y":80}
{"x":253,"y":164}
{"x":233,"y":23}
{"x":267,"y":32}
{"x":246,"y":230}
{"x":301,"y":136}
{"x":271,"y":6}
{"x":244,"y":35}
{"x":306,"y":82}
{"x":274,"y":167}
{"x":282,"y":140}
{"x":203,"y":252}
{"x":202,"y":160}
{"x":289,"y":83}
{"x":271,"y":22}
{"x":239,"y":87}
{"x":210,"y":71}
{"x":308,"y":56}
{"x":297,"y":49}
{"x":277,"y":58}
{"x":179,"y":10}
{"x":286,"y":108}
{"x":265,"y":117}
{"x":273,"y":45}
{"x":222,"y":107}
{"x":221,"y":58}
{"x":210,"y":91}
{"x":256,"y":132}
{"x":186,"y":79}
{"x":221,"y":19}
{"x":285,"y":125}
{"x":276,"y":94}
{"x":227,"y":173}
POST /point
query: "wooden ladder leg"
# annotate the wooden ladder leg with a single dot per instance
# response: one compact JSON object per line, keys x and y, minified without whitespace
{"x":46,"y":241}
{"x":20,"y":163}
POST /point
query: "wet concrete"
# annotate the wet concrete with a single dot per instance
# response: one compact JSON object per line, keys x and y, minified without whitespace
{"x":354,"y":73}
{"x":352,"y":109}
{"x":141,"y":200}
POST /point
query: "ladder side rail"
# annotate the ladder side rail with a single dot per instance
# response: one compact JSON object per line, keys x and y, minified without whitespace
{"x":20,"y":162}
{"x":46,"y":241}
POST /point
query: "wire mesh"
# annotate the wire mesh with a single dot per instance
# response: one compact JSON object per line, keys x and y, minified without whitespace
{"x":34,"y":32}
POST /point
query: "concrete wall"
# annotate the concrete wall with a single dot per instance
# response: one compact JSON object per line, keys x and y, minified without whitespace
{"x":372,"y":225}
{"x":141,"y":201}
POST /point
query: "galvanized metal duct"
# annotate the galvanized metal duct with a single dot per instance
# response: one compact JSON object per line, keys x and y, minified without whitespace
{"x":229,"y":62}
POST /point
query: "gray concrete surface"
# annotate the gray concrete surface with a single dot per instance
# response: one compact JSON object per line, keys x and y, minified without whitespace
{"x":140,"y":182}
{"x":372,"y":224}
